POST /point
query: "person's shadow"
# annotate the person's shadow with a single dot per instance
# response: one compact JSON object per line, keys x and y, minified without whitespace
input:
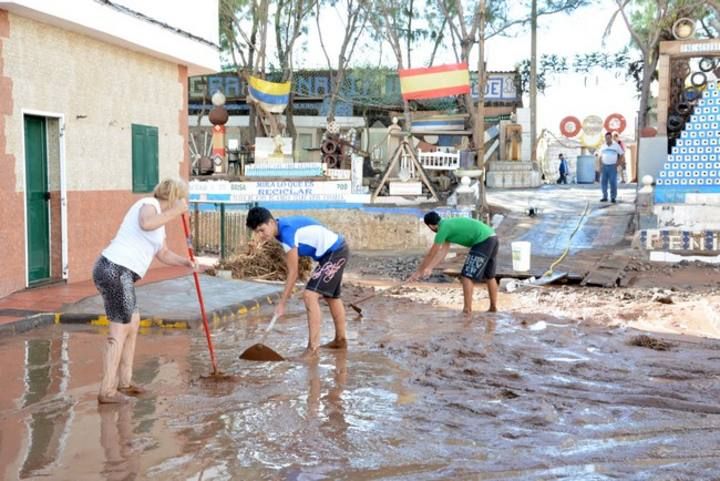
{"x":116,"y":436}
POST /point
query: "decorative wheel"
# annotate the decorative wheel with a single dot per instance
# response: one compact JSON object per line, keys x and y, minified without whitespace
{"x":615,"y":123}
{"x":570,"y":126}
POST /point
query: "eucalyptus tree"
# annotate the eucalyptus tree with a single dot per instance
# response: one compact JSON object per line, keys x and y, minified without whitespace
{"x":356,"y":17}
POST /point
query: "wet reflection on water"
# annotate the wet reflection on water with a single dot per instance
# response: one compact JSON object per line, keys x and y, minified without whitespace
{"x":122,"y":461}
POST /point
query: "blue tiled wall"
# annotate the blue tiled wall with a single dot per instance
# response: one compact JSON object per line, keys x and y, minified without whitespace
{"x":693,"y":166}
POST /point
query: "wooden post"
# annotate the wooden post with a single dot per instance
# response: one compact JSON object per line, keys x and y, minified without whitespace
{"x":480,"y":120}
{"x":482,"y":207}
{"x":533,"y":78}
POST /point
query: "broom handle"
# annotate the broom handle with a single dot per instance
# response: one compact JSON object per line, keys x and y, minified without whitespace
{"x":199,"y":294}
{"x":363,"y":299}
{"x":269,"y":328}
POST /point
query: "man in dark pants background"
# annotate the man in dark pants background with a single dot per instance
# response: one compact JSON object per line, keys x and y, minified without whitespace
{"x":564,"y":170}
{"x":480,"y":262}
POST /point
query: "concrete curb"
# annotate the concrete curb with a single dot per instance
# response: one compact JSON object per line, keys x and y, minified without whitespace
{"x":215,"y":318}
{"x":27,"y":323}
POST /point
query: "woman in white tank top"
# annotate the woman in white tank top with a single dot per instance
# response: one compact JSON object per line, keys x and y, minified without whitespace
{"x":140,"y":238}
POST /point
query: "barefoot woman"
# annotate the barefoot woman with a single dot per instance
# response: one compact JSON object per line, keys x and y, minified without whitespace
{"x":140,"y":238}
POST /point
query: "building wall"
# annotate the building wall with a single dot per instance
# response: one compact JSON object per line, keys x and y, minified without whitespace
{"x":101,"y":90}
{"x":11,"y":201}
{"x":178,"y":31}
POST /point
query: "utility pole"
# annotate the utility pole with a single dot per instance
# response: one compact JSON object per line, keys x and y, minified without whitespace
{"x":533,"y":79}
{"x":480,"y":120}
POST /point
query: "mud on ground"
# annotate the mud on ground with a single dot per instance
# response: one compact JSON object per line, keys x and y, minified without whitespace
{"x":558,"y":386}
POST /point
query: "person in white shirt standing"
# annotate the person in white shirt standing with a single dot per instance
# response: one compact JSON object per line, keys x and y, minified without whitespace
{"x":610,"y":153}
{"x":141,"y":238}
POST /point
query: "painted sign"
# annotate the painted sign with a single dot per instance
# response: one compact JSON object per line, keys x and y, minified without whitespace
{"x":292,"y":169}
{"x":245,"y":192}
{"x":500,"y":86}
{"x":700,"y":47}
{"x":680,"y":240}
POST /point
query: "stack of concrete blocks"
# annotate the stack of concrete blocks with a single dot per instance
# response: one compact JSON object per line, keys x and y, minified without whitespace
{"x":687,"y":191}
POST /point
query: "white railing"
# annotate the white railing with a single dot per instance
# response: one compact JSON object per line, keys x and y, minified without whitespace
{"x":439,"y":160}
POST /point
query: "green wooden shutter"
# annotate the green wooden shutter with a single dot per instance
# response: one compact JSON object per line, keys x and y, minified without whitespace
{"x":145,"y":157}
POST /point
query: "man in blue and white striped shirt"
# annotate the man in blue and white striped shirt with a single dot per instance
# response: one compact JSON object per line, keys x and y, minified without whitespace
{"x":304,"y":236}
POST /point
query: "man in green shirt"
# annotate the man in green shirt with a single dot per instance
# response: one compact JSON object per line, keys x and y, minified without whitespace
{"x":480,"y":262}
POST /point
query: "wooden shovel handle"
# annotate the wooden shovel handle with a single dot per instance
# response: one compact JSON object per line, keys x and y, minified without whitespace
{"x":363,"y":299}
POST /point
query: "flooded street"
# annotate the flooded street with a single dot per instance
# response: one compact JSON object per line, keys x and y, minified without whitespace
{"x":421,"y":394}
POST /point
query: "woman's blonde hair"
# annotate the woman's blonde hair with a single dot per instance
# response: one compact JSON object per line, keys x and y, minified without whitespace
{"x":171,"y":190}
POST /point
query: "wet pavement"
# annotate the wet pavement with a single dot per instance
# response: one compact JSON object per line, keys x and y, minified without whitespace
{"x":422,"y":394}
{"x":559,"y":211}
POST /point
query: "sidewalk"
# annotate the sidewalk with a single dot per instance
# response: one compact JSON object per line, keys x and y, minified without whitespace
{"x":26,"y":309}
{"x":166,"y":297}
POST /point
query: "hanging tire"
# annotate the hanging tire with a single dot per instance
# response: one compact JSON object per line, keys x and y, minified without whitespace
{"x":698,"y":79}
{"x":675,"y":123}
{"x":329,"y":147}
{"x":706,"y":64}
{"x":684,"y":109}
{"x":332,"y":160}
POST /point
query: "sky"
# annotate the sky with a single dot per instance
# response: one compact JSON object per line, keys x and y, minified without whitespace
{"x":562,"y":34}
{"x":599,"y":93}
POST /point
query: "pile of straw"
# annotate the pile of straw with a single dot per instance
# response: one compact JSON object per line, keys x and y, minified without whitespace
{"x":263,"y":260}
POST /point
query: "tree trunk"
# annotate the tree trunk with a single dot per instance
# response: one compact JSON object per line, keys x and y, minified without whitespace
{"x":533,"y":79}
{"x":479,"y":132}
{"x":337,"y":81}
{"x":410,"y":9}
{"x":290,"y":119}
{"x":406,"y":115}
{"x":649,"y":67}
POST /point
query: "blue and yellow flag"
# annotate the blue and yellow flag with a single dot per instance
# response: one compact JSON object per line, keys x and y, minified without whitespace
{"x":273,"y":97}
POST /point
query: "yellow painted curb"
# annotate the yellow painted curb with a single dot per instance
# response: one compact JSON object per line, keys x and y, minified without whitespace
{"x":242,"y":310}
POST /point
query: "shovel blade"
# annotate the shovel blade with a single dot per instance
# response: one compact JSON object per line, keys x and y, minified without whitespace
{"x":260,"y":352}
{"x":549,"y":278}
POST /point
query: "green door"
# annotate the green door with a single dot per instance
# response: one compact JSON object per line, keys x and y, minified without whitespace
{"x":38,"y":199}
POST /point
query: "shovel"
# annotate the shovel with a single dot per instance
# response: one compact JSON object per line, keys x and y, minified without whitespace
{"x":357,"y":308}
{"x":261,"y":352}
{"x":548,"y":278}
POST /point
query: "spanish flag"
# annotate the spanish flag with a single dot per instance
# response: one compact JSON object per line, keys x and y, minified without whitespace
{"x":273,"y":97}
{"x":433,"y":82}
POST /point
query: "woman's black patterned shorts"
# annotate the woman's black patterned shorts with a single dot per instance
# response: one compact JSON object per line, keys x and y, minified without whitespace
{"x":116,"y":285}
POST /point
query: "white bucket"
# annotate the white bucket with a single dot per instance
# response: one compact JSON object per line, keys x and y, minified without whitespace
{"x":521,"y":256}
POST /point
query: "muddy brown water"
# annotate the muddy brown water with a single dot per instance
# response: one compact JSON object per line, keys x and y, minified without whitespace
{"x":422,"y":394}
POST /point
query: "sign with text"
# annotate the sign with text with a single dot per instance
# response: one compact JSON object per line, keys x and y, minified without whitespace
{"x":244,"y":192}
